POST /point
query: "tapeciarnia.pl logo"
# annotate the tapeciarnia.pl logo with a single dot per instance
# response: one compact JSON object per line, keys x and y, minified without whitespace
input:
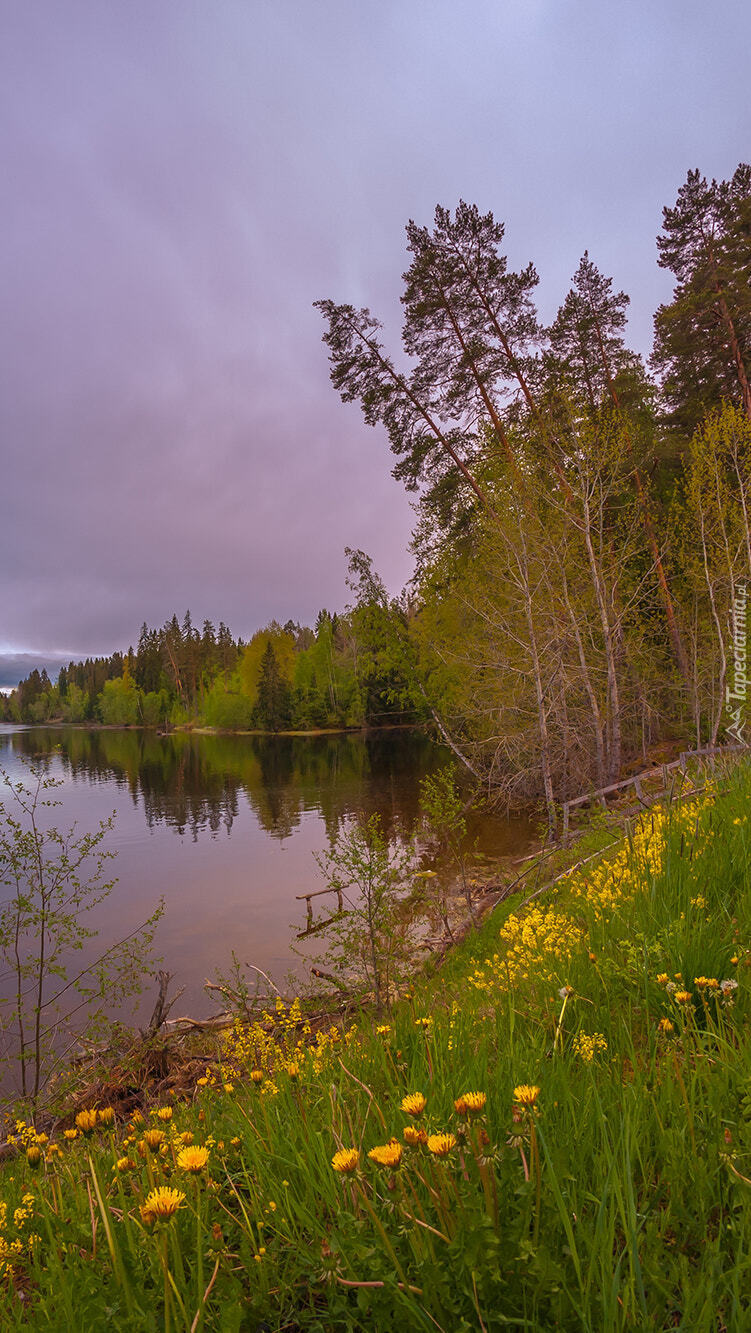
{"x":735,"y":696}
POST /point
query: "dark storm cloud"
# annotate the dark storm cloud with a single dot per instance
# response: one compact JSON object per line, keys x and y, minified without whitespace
{"x":182,"y":181}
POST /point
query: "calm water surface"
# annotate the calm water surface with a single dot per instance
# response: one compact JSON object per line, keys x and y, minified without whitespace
{"x":225,"y":829}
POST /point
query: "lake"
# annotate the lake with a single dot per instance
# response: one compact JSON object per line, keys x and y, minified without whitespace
{"x":225,"y":828}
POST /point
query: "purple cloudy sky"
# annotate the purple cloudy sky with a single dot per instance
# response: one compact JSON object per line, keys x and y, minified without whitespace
{"x":182,"y":179}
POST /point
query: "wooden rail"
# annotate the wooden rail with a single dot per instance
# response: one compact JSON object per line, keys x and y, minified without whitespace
{"x":311,"y":927}
{"x":709,"y":753}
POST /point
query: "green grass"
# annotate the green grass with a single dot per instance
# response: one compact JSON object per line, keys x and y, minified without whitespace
{"x":620,"y":1200}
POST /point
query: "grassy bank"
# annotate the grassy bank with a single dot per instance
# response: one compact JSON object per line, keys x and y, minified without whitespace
{"x":553,"y":1131}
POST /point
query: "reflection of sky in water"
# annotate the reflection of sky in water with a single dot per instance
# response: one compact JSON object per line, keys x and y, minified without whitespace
{"x":225,"y":828}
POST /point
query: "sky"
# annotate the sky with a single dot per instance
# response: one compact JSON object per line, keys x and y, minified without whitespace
{"x":182,"y":179}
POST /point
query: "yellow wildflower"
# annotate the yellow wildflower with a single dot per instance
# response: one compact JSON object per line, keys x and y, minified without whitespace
{"x":70,"y":1134}
{"x":164,"y":1113}
{"x":86,"y":1121}
{"x":414,"y":1136}
{"x":387,"y":1154}
{"x":470,"y":1103}
{"x":414,"y":1103}
{"x":526,"y":1094}
{"x":124,"y":1164}
{"x":153,"y":1138}
{"x":192,"y":1159}
{"x":161,"y":1205}
{"x":665,"y":1025}
{"x":107,"y":1116}
{"x":441,"y":1144}
{"x":345,"y":1160}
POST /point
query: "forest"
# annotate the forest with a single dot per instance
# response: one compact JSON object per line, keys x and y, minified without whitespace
{"x":583,"y":534}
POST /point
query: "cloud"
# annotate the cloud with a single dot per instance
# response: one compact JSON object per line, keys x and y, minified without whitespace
{"x":182,"y":182}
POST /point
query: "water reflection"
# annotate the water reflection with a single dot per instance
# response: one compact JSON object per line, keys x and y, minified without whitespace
{"x":192,"y":782}
{"x":226,"y":828}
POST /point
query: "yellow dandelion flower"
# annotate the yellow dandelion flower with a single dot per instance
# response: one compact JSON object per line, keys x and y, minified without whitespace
{"x":256,"y":1075}
{"x":662,"y":979}
{"x":470,"y":1103}
{"x":441,"y":1144}
{"x":164,"y":1113}
{"x":124,"y":1164}
{"x":345,"y":1160}
{"x":414,"y":1103}
{"x":86,"y":1121}
{"x":383,"y":1029}
{"x":186,"y":1138}
{"x":33,"y":1156}
{"x":414,"y":1136}
{"x":107,"y":1116}
{"x":682,"y":997}
{"x":387,"y":1154}
{"x":526,"y":1094}
{"x":153,"y":1138}
{"x":192,"y":1159}
{"x":70,"y":1134}
{"x":161,"y":1205}
{"x":665,"y":1025}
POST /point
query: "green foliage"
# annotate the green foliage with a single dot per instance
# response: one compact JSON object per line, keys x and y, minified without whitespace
{"x":370,"y":939}
{"x":444,"y":808}
{"x":51,"y":881}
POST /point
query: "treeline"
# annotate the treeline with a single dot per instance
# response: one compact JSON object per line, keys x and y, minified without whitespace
{"x":584,"y":533}
{"x":340,"y":673}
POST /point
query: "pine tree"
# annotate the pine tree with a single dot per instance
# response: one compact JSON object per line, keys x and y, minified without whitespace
{"x":703,"y":337}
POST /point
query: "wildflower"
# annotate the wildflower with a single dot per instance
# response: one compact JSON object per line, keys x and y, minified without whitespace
{"x":256,"y":1075}
{"x":164,"y":1113}
{"x":234,"y":1143}
{"x":124,"y":1164}
{"x":424,"y":1023}
{"x":70,"y":1134}
{"x":33,"y":1156}
{"x":387,"y":1154}
{"x":662,"y":979}
{"x":192,"y":1159}
{"x":665,"y":1026}
{"x":588,"y":1044}
{"x":682,"y":997}
{"x":414,"y":1136}
{"x":293,"y":1071}
{"x":734,"y":959}
{"x":86,"y":1121}
{"x":186,"y":1138}
{"x":413,"y":1104}
{"x":470,"y":1103}
{"x":153,"y":1138}
{"x":229,"y":1087}
{"x":161,"y":1205}
{"x":526,"y":1094}
{"x":202,"y":1082}
{"x":727,"y":987}
{"x":383,"y":1029}
{"x":441,"y":1144}
{"x":345,"y":1160}
{"x":136,"y":1118}
{"x":565,"y":992}
{"x":107,"y":1116}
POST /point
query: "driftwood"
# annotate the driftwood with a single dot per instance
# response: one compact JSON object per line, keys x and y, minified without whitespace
{"x":162,"y":1006}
